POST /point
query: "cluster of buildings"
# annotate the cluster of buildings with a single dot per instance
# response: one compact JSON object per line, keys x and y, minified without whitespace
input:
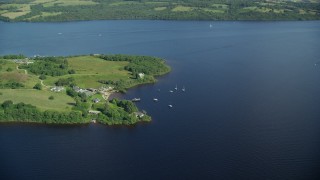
{"x":88,"y":92}
{"x":23,"y":61}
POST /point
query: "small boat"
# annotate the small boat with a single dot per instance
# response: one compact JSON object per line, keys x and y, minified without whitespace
{"x":59,"y":33}
{"x":170,"y":106}
{"x":210,"y":25}
{"x":155,"y":100}
{"x":176,"y":88}
{"x":171,"y":91}
{"x":183,"y":89}
{"x":136,"y":99}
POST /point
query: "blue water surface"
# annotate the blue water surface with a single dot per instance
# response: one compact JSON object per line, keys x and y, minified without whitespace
{"x":250,"y":109}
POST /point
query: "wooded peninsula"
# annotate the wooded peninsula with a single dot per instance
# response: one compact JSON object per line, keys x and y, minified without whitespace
{"x":75,"y":10}
{"x":74,"y":89}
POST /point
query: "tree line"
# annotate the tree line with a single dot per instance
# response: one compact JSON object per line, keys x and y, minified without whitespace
{"x":22,"y":112}
{"x":119,"y":112}
{"x":52,"y":66}
{"x":140,"y":64}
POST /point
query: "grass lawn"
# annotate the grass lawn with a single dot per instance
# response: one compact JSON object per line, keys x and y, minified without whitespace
{"x":61,"y":101}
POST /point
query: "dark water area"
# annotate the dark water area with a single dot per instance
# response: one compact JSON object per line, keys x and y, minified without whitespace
{"x":250,"y":110}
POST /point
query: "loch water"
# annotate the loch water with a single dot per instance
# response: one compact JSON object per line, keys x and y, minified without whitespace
{"x":251,"y":109}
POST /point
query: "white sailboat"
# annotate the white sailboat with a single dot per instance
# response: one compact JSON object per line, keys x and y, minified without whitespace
{"x":176,"y":88}
{"x":183,"y":89}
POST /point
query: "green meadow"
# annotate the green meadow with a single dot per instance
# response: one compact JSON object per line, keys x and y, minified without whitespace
{"x":39,"y":98}
{"x":91,"y":69}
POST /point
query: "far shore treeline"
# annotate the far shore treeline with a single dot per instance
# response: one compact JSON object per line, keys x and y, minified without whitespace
{"x":75,"y":10}
{"x":74,"y":89}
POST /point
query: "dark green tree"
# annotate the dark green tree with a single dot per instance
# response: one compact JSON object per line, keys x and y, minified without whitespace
{"x":42,"y":77}
{"x":38,"y":86}
{"x":7,"y":104}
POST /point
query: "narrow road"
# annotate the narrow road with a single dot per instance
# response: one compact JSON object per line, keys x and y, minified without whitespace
{"x":25,"y":71}
{"x":41,"y":81}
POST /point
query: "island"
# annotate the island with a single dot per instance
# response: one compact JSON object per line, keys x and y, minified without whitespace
{"x":75,"y":10}
{"x":74,"y":89}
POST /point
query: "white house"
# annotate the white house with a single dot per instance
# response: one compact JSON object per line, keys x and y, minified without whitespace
{"x":141,"y":75}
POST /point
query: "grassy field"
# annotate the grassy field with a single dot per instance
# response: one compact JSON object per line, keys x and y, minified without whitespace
{"x":38,"y":98}
{"x":90,"y":69}
{"x":93,"y":65}
{"x":182,"y":9}
{"x":15,"y":10}
{"x":16,"y":75}
{"x":160,"y":8}
{"x":4,"y":65}
{"x":49,"y":3}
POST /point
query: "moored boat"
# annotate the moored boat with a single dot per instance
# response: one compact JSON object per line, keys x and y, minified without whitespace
{"x":136,"y":99}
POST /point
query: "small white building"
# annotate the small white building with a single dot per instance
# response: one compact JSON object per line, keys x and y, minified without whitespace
{"x":94,"y":112}
{"x":57,"y":89}
{"x":141,"y":75}
{"x":23,"y":61}
{"x":139,"y":114}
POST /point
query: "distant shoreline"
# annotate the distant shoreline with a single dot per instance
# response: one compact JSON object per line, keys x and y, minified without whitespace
{"x":66,"y":11}
{"x":186,"y":20}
